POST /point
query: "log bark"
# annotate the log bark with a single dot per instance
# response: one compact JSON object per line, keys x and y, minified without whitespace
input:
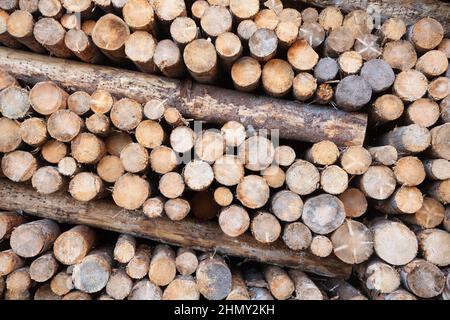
{"x":290,"y":118}
{"x":103,"y":214}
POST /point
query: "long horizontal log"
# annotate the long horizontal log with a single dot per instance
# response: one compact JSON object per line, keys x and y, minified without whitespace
{"x":409,"y":10}
{"x":199,"y":235}
{"x":294,"y":120}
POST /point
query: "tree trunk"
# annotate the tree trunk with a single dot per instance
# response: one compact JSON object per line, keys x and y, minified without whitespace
{"x":293,"y":120}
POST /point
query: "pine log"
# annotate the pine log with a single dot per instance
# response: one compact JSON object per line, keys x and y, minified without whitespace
{"x":61,"y":284}
{"x":19,"y":280}
{"x":33,"y":131}
{"x":378,"y":277}
{"x":350,"y":62}
{"x":437,"y":169}
{"x":11,"y":138}
{"x":352,"y":126}
{"x":70,"y":21}
{"x":234,"y":220}
{"x":301,"y":168}
{"x":394,"y":242}
{"x":47,"y":180}
{"x":198,"y":8}
{"x":177,"y":209}
{"x":64,"y":125}
{"x":386,"y":155}
{"x":182,"y":288}
{"x":119,"y":284}
{"x":77,"y":295}
{"x":50,"y":34}
{"x":183,"y":30}
{"x":280,"y":284}
{"x":9,"y":262}
{"x":73,"y":245}
{"x":439,"y":88}
{"x":405,"y":200}
{"x":408,"y":139}
{"x":140,"y":48}
{"x":355,"y":203}
{"x":19,"y":166}
{"x":266,"y":19}
{"x":440,"y":136}
{"x":29,"y":5}
{"x":430,"y":215}
{"x":239,"y":289}
{"x":434,"y":246}
{"x":393,"y":29}
{"x":20,"y":25}
{"x":145,"y":290}
{"x":14,"y":103}
{"x":162,"y":265}
{"x":368,"y":47}
{"x":92,"y":273}
{"x":68,"y":166}
{"x":297,"y":236}
{"x":54,"y":151}
{"x":200,"y":58}
{"x":9,"y":221}
{"x":125,"y":248}
{"x":423,"y":278}
{"x":305,"y":288}
{"x":46,"y":97}
{"x":409,"y":171}
{"x":213,"y":278}
{"x":86,"y":186}
{"x":44,"y":292}
{"x":109,"y":35}
{"x":323,"y":214}
{"x":82,"y":46}
{"x":5,"y":38}
{"x":137,"y":267}
{"x":339,"y":289}
{"x":43,"y":268}
{"x":313,"y":33}
{"x":186,"y":261}
{"x":168,"y":58}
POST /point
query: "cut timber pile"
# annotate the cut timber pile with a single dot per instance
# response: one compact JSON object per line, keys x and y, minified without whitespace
{"x":75,"y":262}
{"x":125,"y":151}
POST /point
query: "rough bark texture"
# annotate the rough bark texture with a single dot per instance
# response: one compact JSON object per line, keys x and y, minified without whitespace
{"x":294,"y":120}
{"x":198,"y":235}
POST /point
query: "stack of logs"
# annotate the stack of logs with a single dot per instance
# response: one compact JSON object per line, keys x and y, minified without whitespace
{"x":44,"y":262}
{"x":47,"y":261}
{"x":316,"y":200}
{"x":289,"y":52}
{"x":382,"y":208}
